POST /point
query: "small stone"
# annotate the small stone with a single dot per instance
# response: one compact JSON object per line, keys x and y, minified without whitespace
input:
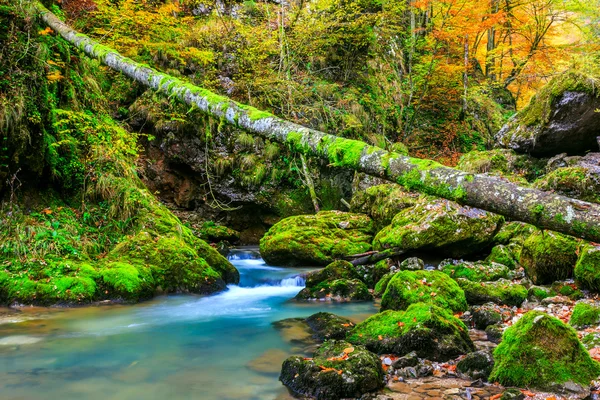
{"x":387,"y":361}
{"x":409,"y":360}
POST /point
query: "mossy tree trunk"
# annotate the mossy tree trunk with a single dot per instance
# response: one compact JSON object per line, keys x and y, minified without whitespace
{"x":545,"y":210}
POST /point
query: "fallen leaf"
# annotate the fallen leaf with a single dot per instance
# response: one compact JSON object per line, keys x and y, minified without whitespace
{"x":380,"y":337}
{"x":348,"y":350}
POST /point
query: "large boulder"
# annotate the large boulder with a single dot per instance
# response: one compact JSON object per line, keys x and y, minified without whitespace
{"x":433,"y":287}
{"x":382,"y":202}
{"x":577,"y":177}
{"x":549,"y":256}
{"x":587,"y":269}
{"x":441,"y":225}
{"x":338,"y":370}
{"x":503,"y":162}
{"x":585,"y":314}
{"x":562,"y":117}
{"x":500,"y":292}
{"x":541,"y":351}
{"x":434,"y":333}
{"x":317,"y":239}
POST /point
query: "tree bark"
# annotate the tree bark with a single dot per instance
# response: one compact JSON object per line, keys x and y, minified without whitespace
{"x":543,"y":209}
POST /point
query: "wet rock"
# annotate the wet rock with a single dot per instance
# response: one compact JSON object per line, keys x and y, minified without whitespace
{"x":499,"y":292}
{"x":328,"y":326}
{"x":339,"y":281}
{"x":382,"y":284}
{"x":477,"y":365}
{"x":412,"y":264}
{"x":585,"y":314}
{"x":580,"y":182}
{"x":513,"y":232}
{"x":548,"y":256}
{"x":478,"y":271}
{"x":445,"y":226}
{"x":503,"y":162}
{"x":539,"y":293}
{"x":494,"y":333}
{"x":587,"y":270}
{"x":560,"y":118}
{"x":430,"y":331}
{"x":409,"y":360}
{"x":486,"y":315}
{"x":435,"y":287}
{"x":541,"y":351}
{"x":337,"y":370}
{"x":317,"y":239}
{"x":337,"y":290}
{"x":382,"y":202}
{"x":507,"y":255}
{"x":371,"y":274}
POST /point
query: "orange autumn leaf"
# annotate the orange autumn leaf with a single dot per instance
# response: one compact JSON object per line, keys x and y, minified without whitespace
{"x":496,"y":396}
{"x":401,"y":324}
{"x":380,"y":337}
{"x":47,"y":211}
{"x":527,"y":393}
{"x":46,"y":31}
{"x":348,"y":350}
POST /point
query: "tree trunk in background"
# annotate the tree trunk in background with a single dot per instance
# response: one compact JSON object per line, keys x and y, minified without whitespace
{"x":309,"y":183}
{"x":545,"y":210}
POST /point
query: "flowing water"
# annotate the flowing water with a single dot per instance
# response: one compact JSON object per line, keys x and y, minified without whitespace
{"x":176,"y":347}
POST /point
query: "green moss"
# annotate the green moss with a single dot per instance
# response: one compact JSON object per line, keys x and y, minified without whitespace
{"x":132,"y":282}
{"x":434,"y":287}
{"x":577,"y":182}
{"x":317,"y":239}
{"x":513,"y":232}
{"x":536,"y":293}
{"x":587,"y":269}
{"x":383,"y":202}
{"x":499,"y":292}
{"x":381,"y":285}
{"x":431,"y":331}
{"x":475,"y":271}
{"x":505,"y":255}
{"x":445,"y":226}
{"x":540,"y":350}
{"x":344,"y":152}
{"x":549,"y":256}
{"x":585,"y":314}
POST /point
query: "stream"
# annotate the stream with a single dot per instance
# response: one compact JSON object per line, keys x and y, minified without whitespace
{"x":174,"y":347}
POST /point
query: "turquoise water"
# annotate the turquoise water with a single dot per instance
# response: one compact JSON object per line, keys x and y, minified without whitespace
{"x":177,"y":347}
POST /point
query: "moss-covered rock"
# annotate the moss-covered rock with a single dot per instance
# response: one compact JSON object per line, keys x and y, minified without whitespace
{"x":587,"y":269}
{"x":434,"y":333}
{"x":337,"y":370}
{"x":382,"y":202}
{"x":434,"y":287}
{"x":381,"y":285}
{"x":212,"y":232}
{"x":539,"y":293}
{"x":337,"y":290}
{"x":540,"y":351}
{"x":513,"y":232}
{"x":317,"y":239}
{"x":585,"y":314}
{"x":478,"y":271}
{"x":443,"y":225}
{"x":500,"y":292}
{"x":549,"y":256}
{"x":326,"y":326}
{"x":502,"y":162}
{"x":339,"y":281}
{"x":476,"y":365}
{"x":506,"y":255}
{"x":486,"y":315}
{"x":577,"y":181}
{"x":560,"y":118}
{"x":412,"y":264}
{"x":371,"y":274}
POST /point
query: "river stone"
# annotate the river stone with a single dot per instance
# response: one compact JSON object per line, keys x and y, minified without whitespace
{"x":476,"y":271}
{"x":338,"y":281}
{"x":435,"y":287}
{"x":328,"y":326}
{"x":486,"y":315}
{"x":542,"y":352}
{"x":441,"y":225}
{"x":317,"y":239}
{"x":549,"y":256}
{"x":337,"y":370}
{"x":587,"y":269}
{"x":579,"y":178}
{"x":561,"y":117}
{"x":501,"y":291}
{"x":432,"y":332}
{"x":476,"y":365}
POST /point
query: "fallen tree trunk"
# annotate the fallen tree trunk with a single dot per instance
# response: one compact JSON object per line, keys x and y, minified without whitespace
{"x":543,"y":209}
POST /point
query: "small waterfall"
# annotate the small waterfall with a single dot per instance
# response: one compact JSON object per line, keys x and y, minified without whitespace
{"x":237,"y":255}
{"x":296,"y":281}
